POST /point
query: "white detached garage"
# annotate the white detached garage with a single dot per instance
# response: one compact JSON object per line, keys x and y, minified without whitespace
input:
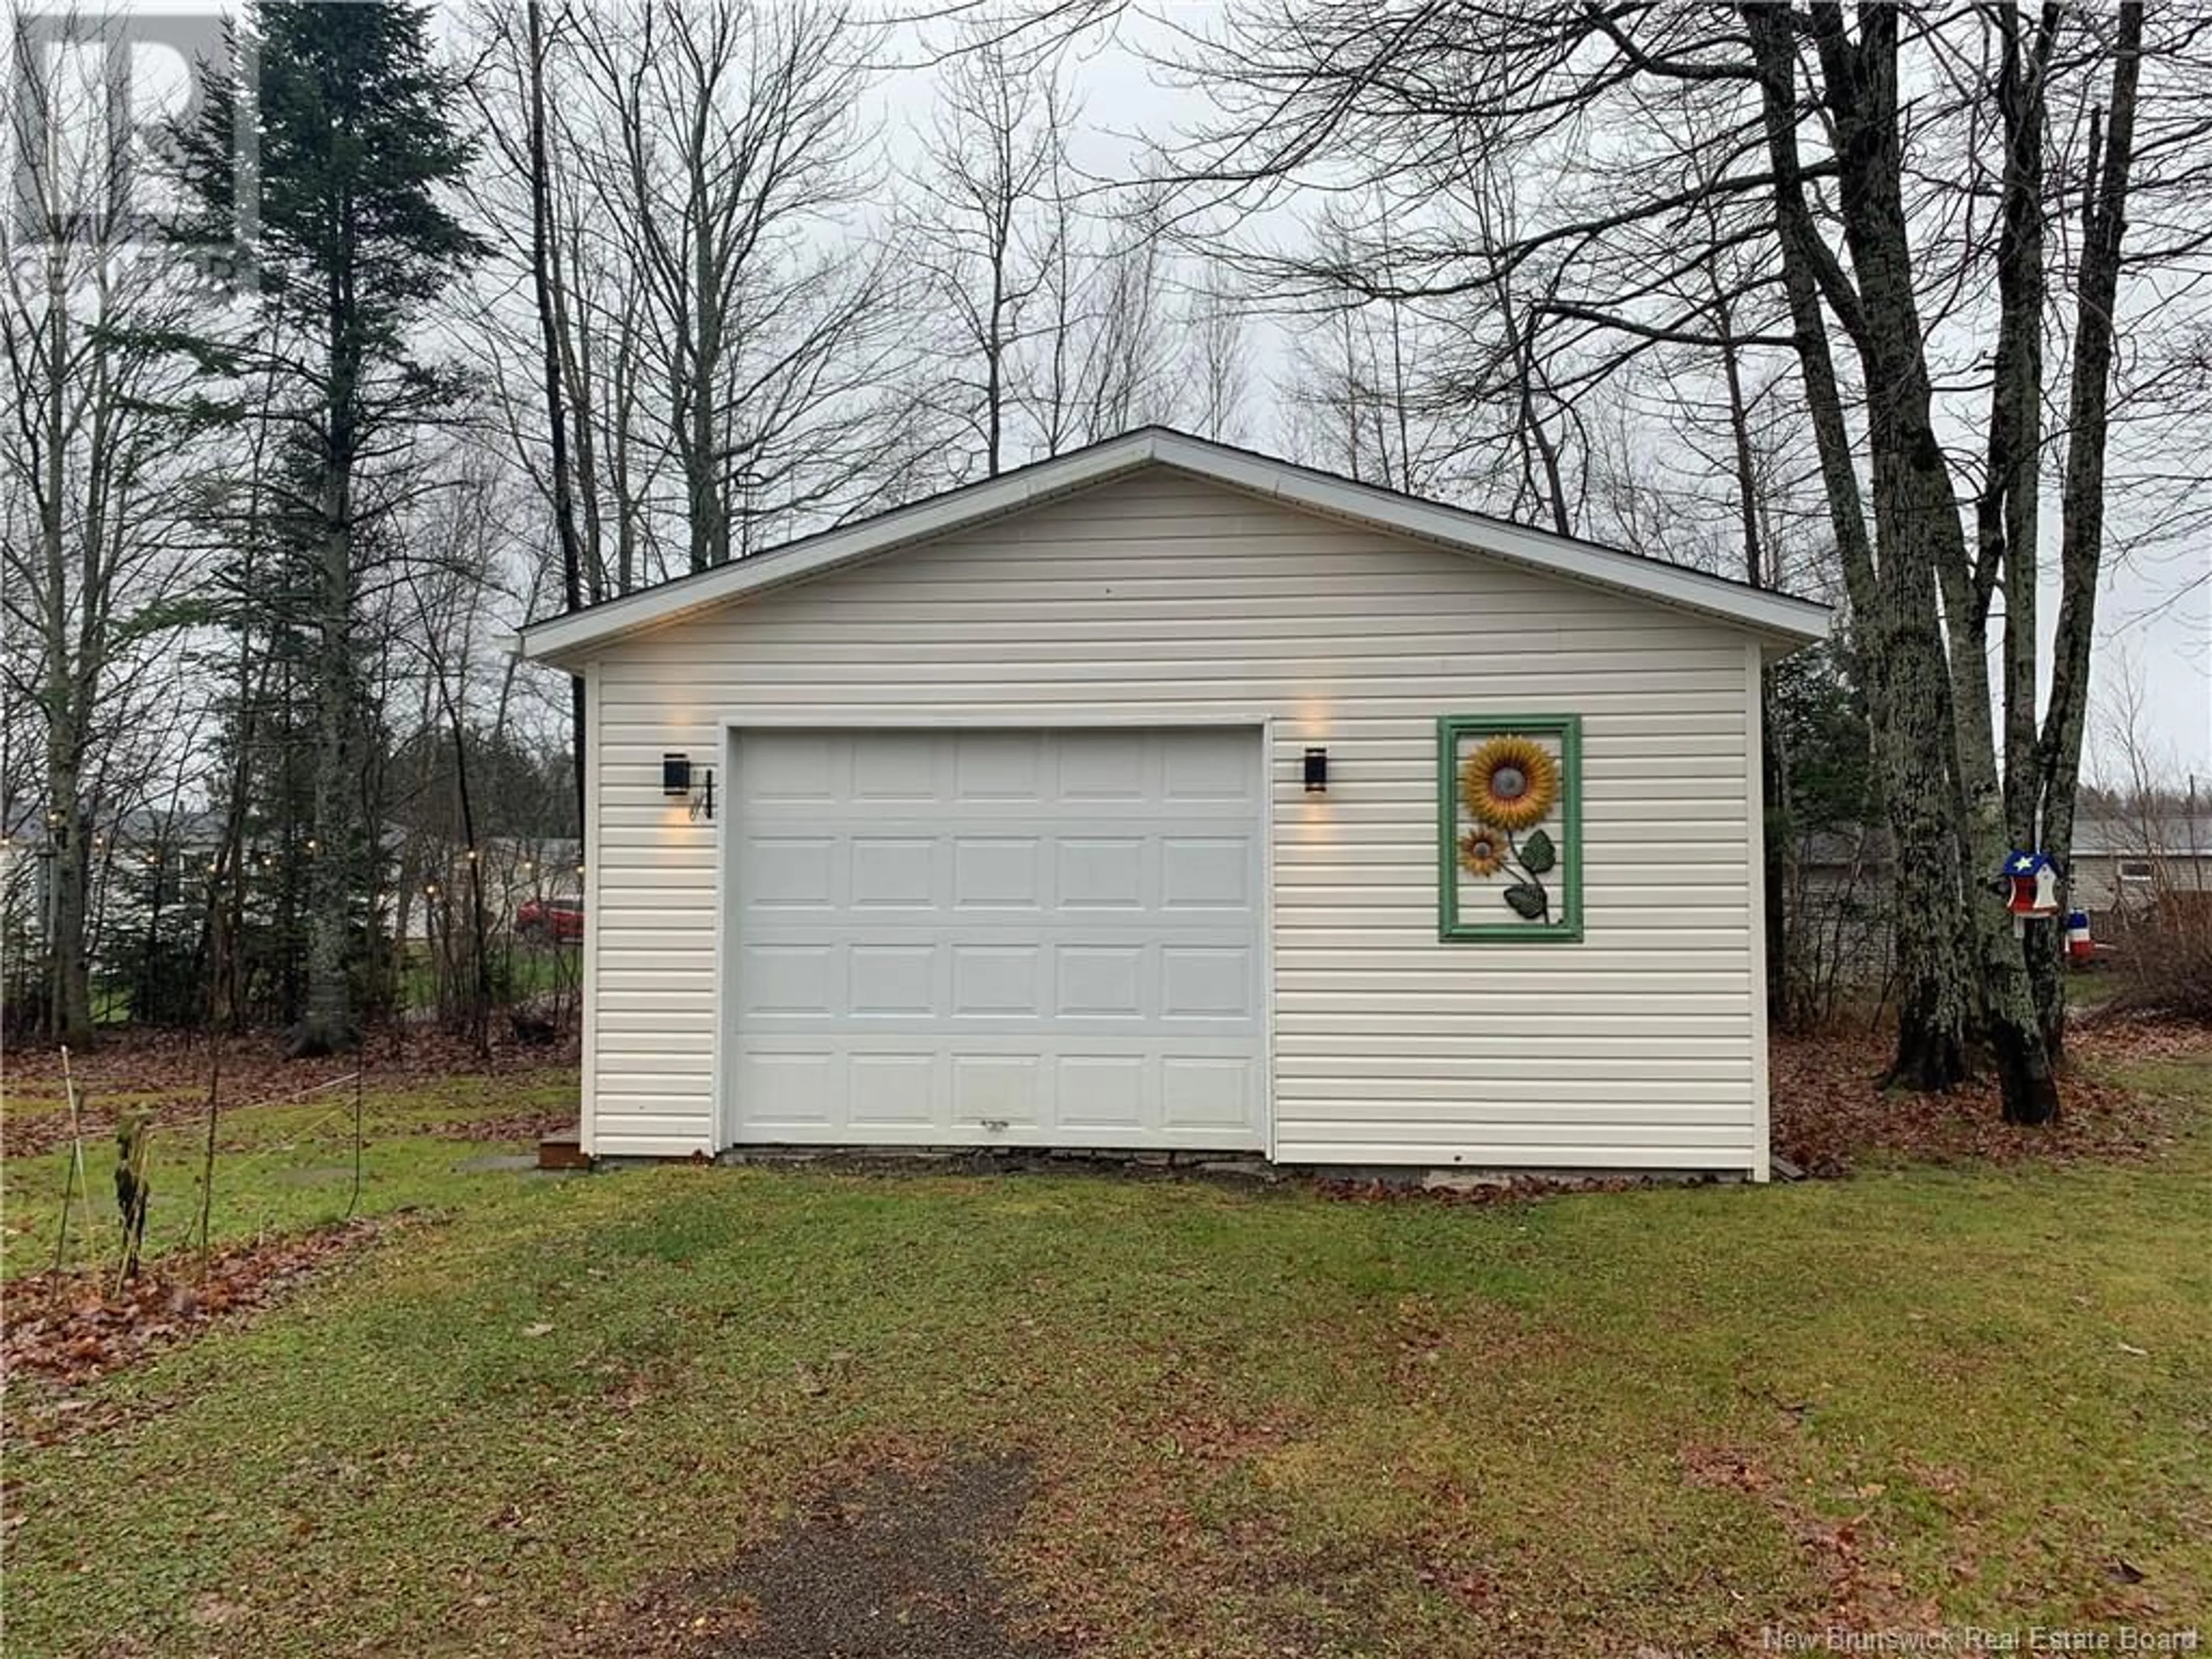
{"x":1166,"y":796}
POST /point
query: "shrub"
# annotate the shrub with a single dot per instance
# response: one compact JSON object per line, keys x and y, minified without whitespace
{"x":2164,"y":960}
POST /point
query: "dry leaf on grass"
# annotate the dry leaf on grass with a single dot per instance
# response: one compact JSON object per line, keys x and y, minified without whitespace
{"x":67,"y":1330}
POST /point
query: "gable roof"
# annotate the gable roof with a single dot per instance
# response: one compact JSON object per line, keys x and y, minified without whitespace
{"x":1782,"y":620}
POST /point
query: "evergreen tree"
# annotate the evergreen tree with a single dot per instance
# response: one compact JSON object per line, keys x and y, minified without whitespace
{"x":357,"y":142}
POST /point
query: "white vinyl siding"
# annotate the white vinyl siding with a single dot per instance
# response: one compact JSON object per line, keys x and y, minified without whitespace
{"x":1159,"y":598}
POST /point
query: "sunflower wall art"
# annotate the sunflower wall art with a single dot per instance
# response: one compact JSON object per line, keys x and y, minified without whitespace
{"x":1509,"y":825}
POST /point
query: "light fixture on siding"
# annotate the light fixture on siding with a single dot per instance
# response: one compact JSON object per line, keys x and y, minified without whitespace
{"x":1317,"y":771}
{"x":681,"y":781}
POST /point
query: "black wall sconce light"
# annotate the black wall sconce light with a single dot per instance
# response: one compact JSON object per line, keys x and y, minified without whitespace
{"x":1317,"y":771}
{"x":681,"y":781}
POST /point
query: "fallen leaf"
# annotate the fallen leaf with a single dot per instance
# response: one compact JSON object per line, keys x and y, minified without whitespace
{"x":1828,"y":1114}
{"x":213,"y":1612}
{"x":90,"y":1329}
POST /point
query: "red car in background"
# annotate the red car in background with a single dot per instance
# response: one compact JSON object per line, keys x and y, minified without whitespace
{"x":561,"y":919}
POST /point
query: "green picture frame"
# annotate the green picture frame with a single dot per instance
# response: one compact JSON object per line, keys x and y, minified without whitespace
{"x":1559,"y":882}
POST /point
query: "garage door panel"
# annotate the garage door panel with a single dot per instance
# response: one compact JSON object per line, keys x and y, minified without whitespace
{"x":995,"y":1091}
{"x":993,"y":981}
{"x":1100,"y":874}
{"x":1022,"y":937}
{"x":1111,"y":769}
{"x":1201,"y":1093}
{"x":1101,"y":1092}
{"x":893,"y":981}
{"x":798,"y":1091}
{"x":1100,"y":981}
{"x":1210,"y":766}
{"x":1206,"y":982}
{"x":1212,"y":873}
{"x":993,"y":872}
{"x":888,"y":769}
{"x":894,"y":1090}
{"x":795,"y":981}
{"x":792,"y":871}
{"x":786,"y":772}
{"x":896,"y":872}
{"x":997,"y":766}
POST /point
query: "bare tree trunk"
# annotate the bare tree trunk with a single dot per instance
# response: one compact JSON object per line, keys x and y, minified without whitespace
{"x":556,"y":419}
{"x":1960,"y":816}
{"x":226,"y":924}
{"x":1923,"y":543}
{"x":329,"y":1023}
{"x":2007,"y":515}
{"x":2081,"y":499}
{"x":479,"y":1019}
{"x":1892,"y":617}
{"x":69,"y":984}
{"x":69,"y":1015}
{"x":1779,"y":833}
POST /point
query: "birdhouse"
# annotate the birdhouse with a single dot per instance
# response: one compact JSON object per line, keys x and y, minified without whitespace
{"x":2032,"y":885}
{"x":2079,"y":945}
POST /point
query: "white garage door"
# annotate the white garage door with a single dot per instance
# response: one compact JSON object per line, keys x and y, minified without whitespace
{"x":1037,"y":938}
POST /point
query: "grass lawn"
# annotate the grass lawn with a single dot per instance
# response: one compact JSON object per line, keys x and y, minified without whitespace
{"x":1253,"y":1423}
{"x":529,"y":966}
{"x":278,"y":1168}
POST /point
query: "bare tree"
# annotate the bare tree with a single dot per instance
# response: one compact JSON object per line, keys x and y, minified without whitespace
{"x":90,"y":538}
{"x":2048,"y":762}
{"x":1366,"y":410}
{"x":988,"y":228}
{"x":1218,"y":367}
{"x":546,"y":295}
{"x":721,"y":144}
{"x":445,"y":599}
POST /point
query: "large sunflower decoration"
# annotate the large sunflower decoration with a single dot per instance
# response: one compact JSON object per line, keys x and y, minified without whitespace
{"x":1508,"y":785}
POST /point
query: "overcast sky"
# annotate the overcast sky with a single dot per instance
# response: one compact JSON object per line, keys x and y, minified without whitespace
{"x":2155,"y":633}
{"x":2154,"y":637}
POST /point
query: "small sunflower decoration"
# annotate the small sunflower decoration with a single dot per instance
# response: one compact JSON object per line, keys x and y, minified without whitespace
{"x":1509,"y":783}
{"x":1482,"y":851}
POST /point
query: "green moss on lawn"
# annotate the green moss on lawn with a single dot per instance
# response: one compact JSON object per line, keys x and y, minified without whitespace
{"x":1258,"y":1423}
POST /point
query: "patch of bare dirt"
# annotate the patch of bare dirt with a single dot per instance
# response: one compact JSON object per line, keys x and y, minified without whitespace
{"x":1500,"y":1189}
{"x":65,"y":1331}
{"x":896,"y":1564}
{"x":1828,"y":1115}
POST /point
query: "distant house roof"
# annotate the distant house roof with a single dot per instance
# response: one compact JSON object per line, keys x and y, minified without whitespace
{"x":2176,"y":837}
{"x":1782,"y":620}
{"x":141,"y":826}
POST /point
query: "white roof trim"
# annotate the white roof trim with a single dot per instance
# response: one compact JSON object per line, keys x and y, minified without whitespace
{"x":1777,"y":616}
